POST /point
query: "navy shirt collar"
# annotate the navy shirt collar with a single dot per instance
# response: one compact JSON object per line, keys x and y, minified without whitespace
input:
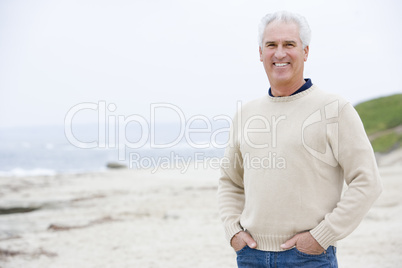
{"x":305,"y":86}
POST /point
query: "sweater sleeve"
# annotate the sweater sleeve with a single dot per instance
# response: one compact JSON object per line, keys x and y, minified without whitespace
{"x":231,"y":188}
{"x":356,"y":158}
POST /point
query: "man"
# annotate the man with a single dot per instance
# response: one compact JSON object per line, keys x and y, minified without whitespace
{"x":289,"y":155}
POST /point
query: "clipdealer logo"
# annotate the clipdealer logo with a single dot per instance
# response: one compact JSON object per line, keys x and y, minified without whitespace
{"x":111,"y":123}
{"x":112,"y":133}
{"x":331,"y":153}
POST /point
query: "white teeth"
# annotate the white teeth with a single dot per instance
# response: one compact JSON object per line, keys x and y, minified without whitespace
{"x":281,"y":64}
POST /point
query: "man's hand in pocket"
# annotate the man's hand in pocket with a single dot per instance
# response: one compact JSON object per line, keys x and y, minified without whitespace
{"x":241,"y":239}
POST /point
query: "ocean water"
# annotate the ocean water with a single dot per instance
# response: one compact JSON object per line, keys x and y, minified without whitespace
{"x":49,"y":150}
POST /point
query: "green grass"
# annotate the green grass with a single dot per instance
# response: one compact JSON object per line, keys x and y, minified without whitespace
{"x":387,"y":142}
{"x":381,"y":114}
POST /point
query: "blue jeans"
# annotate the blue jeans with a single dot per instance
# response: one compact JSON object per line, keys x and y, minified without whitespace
{"x":253,"y":258}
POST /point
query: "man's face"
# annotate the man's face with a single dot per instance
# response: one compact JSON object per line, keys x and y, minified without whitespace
{"x":282,"y":54}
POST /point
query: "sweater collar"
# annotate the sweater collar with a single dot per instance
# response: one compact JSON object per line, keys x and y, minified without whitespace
{"x":305,"y":86}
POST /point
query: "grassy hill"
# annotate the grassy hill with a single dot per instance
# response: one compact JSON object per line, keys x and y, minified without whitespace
{"x":382,"y":119}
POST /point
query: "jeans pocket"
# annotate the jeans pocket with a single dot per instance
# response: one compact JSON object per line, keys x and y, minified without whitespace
{"x":303,"y":254}
{"x":242,"y":250}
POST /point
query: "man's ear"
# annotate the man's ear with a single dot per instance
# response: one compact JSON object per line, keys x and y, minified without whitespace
{"x":306,"y":50}
{"x":260,"y":53}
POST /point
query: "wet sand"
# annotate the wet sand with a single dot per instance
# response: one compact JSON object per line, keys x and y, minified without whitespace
{"x":133,"y":218}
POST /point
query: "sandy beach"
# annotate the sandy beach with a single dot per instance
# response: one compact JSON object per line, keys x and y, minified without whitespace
{"x":133,"y":218}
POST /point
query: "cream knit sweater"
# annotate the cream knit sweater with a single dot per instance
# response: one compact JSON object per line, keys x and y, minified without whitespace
{"x":285,"y":167}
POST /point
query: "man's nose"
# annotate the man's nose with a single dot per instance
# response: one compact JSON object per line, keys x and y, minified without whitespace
{"x":280,"y":53}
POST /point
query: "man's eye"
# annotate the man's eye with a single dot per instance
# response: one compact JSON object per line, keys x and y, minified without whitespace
{"x":289,"y":45}
{"x":270,"y":45}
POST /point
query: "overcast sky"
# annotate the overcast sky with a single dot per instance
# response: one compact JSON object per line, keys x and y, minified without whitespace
{"x":201,"y":56}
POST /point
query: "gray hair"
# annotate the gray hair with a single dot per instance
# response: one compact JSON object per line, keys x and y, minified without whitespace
{"x":285,"y":16}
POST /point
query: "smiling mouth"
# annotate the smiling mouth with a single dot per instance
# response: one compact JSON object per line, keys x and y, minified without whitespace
{"x":281,"y":64}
